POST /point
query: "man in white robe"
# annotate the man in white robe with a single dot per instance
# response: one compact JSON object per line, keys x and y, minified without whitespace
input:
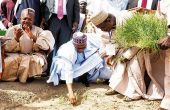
{"x":76,"y":58}
{"x":27,"y":49}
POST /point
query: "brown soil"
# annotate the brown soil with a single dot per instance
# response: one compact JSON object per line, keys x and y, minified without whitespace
{"x":38,"y":95}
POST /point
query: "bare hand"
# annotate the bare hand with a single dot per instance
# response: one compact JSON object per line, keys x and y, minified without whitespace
{"x":43,"y":23}
{"x":102,"y":54}
{"x":75,"y":26}
{"x":36,"y":47}
{"x":18,"y":33}
{"x":10,"y":24}
{"x":28,"y":31}
{"x":72,"y":99}
{"x":164,"y":43}
{"x":108,"y":59}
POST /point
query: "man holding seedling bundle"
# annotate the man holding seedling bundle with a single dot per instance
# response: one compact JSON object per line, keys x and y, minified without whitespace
{"x":128,"y":75}
{"x":165,"y":44}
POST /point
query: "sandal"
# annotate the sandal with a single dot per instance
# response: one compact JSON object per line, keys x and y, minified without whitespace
{"x":110,"y":92}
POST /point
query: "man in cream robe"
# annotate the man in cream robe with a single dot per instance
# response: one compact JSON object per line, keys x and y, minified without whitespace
{"x":128,"y":74}
{"x":27,"y":49}
{"x":76,"y":58}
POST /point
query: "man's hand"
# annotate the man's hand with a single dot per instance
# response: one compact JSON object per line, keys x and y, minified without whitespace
{"x":18,"y":33}
{"x":30,"y":34}
{"x":36,"y":47}
{"x":102,"y":54}
{"x":75,"y":26}
{"x":108,"y":59}
{"x":10,"y":24}
{"x":164,"y":43}
{"x":72,"y":98}
{"x":71,"y":95}
{"x":43,"y":24}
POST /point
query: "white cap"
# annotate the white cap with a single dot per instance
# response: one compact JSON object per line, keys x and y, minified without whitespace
{"x":82,"y":1}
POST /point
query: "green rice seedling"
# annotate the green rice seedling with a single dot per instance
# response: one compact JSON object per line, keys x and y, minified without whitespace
{"x":142,"y":31}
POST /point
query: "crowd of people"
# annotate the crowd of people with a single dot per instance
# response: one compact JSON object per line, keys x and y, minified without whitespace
{"x":71,"y":41}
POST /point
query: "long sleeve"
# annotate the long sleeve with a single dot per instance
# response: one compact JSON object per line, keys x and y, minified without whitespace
{"x":76,"y":11}
{"x":68,"y":70}
{"x":5,"y":21}
{"x":130,"y":53}
{"x":11,"y":45}
{"x":7,"y":12}
{"x":45,"y":40}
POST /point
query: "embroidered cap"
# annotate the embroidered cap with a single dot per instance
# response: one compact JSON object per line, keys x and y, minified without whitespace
{"x":82,"y":1}
{"x":99,"y":18}
{"x":79,"y":38}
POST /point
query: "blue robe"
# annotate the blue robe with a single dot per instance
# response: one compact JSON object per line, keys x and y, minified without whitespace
{"x":65,"y":67}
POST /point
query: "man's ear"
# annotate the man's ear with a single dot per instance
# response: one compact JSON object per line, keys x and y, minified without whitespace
{"x":108,"y":19}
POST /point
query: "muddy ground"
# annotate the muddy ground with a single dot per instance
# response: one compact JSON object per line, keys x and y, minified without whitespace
{"x":38,"y":95}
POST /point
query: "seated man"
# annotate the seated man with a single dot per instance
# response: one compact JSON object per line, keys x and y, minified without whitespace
{"x":78,"y":60}
{"x":26,"y":50}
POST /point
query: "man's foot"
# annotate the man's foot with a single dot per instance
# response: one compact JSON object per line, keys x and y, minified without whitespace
{"x":62,"y":82}
{"x":110,"y":91}
{"x":162,"y":109}
{"x":127,"y":99}
{"x":44,"y":75}
{"x":30,"y":79}
{"x":87,"y":84}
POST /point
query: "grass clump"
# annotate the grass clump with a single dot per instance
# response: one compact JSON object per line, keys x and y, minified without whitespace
{"x":2,"y":32}
{"x":142,"y":31}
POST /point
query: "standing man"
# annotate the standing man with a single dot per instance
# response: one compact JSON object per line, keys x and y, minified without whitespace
{"x":6,"y":12}
{"x":62,"y":17}
{"x":34,"y":4}
{"x":83,"y":15}
{"x":148,"y":4}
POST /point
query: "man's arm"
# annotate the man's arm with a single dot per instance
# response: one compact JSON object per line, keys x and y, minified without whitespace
{"x":5,"y":21}
{"x":13,"y":45}
{"x":69,"y":81}
{"x":71,"y":95}
{"x":76,"y":15}
{"x":164,"y":43}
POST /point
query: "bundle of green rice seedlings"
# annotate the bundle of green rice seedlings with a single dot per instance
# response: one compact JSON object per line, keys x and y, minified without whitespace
{"x":142,"y":31}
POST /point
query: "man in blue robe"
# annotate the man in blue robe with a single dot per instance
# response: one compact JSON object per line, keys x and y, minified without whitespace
{"x":78,"y":60}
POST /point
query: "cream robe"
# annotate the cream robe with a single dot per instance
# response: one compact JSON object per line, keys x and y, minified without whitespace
{"x":128,"y":77}
{"x":26,"y":63}
{"x":166,"y":100}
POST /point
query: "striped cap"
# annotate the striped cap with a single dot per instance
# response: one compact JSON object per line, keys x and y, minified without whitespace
{"x":79,"y":38}
{"x":99,"y":18}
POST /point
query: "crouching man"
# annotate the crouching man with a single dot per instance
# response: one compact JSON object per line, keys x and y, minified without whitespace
{"x":26,"y":51}
{"x":78,"y":60}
